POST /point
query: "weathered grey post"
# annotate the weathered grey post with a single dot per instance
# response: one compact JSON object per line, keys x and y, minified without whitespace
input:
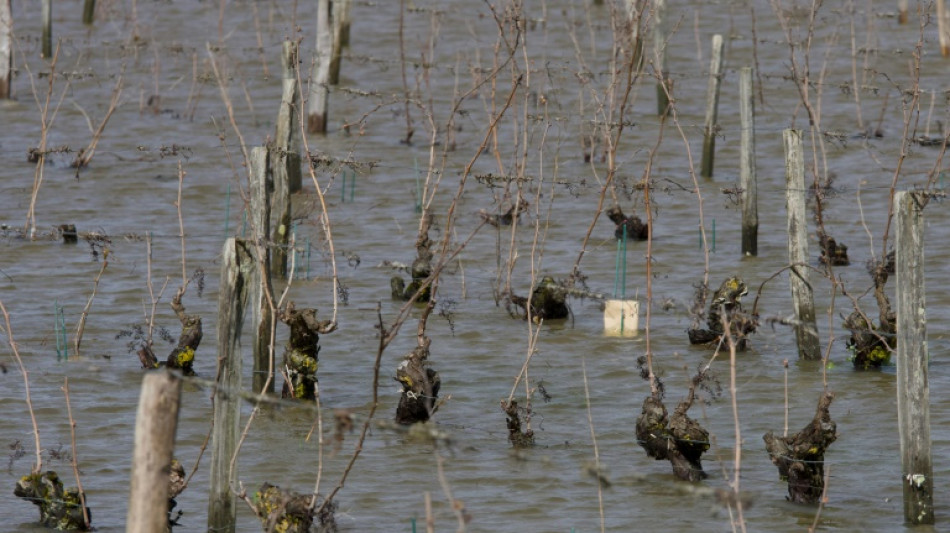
{"x":913,"y":389}
{"x":88,"y":11}
{"x":262,"y":319}
{"x":337,"y":18}
{"x":47,"y":13}
{"x":803,"y":300}
{"x":6,"y":48}
{"x":285,"y":160}
{"x":659,"y":57}
{"x":288,"y":117}
{"x":345,"y":23}
{"x":232,"y":300}
{"x":712,"y":107}
{"x":156,"y":422}
{"x":319,"y":85}
{"x":747,"y":179}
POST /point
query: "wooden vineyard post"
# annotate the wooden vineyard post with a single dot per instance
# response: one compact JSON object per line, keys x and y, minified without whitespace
{"x":88,"y":12}
{"x":6,"y":48}
{"x":803,"y":300}
{"x":319,"y":86}
{"x":902,"y":11}
{"x":47,"y":13}
{"x":337,"y":20}
{"x":345,"y":23}
{"x":943,"y":27}
{"x":156,"y":422}
{"x":232,"y":300}
{"x":913,"y":389}
{"x":659,"y":58}
{"x":287,"y":137}
{"x":712,"y":107}
{"x":262,"y":317}
{"x":747,"y":179}
{"x":285,"y":161}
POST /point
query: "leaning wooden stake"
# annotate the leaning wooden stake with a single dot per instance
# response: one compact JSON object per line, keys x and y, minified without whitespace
{"x":155,"y":424}
{"x":6,"y":48}
{"x":262,"y":318}
{"x":319,"y":85}
{"x":913,"y":389}
{"x":747,"y":179}
{"x":47,"y":13}
{"x":803,"y":300}
{"x":712,"y":107}
{"x":232,"y":300}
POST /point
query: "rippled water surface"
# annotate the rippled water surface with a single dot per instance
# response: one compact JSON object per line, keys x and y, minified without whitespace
{"x":172,"y":113}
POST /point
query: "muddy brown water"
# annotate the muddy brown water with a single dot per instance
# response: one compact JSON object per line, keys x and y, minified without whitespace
{"x":130,"y":190}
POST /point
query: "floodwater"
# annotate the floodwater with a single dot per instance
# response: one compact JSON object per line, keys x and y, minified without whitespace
{"x":171,"y":113}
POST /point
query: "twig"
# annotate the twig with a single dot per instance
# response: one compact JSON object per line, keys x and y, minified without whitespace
{"x":72,"y":437}
{"x":46,"y":122}
{"x":457,"y":507}
{"x":430,"y":520}
{"x":181,"y":226}
{"x":909,"y":116}
{"x":84,"y":156}
{"x":369,"y":417}
{"x":150,"y":315}
{"x":227,"y":104}
{"x":38,"y":466}
{"x":402,"y":61}
{"x":85,"y":312}
{"x":593,"y":439}
{"x":733,"y":395}
{"x":785,"y":427}
{"x":821,"y":501}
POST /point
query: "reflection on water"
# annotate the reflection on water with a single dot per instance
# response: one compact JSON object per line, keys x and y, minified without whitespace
{"x":129,"y":192}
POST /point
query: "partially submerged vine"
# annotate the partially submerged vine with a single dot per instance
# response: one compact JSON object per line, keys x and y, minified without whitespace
{"x":60,"y":508}
{"x":518,"y":437}
{"x":420,"y":383}
{"x":678,"y":438}
{"x":800,"y":458}
{"x":725,"y":308}
{"x":182,"y":357}
{"x":548,"y":301}
{"x":285,"y":511}
{"x":871,"y":345}
{"x":300,"y":355}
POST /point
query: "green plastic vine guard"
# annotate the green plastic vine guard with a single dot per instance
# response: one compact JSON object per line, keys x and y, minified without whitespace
{"x":617,"y":311}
